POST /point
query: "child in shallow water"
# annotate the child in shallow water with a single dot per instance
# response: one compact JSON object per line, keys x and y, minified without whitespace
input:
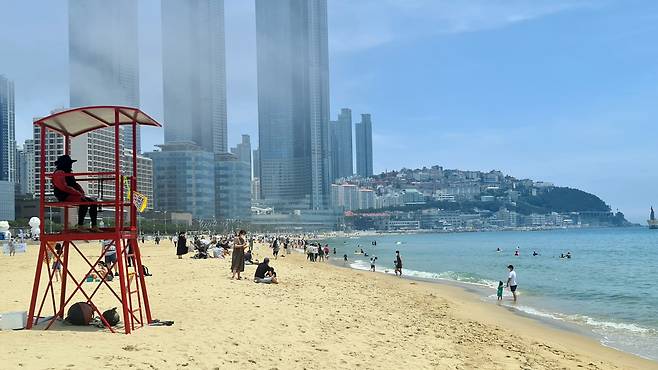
{"x":499,"y":293}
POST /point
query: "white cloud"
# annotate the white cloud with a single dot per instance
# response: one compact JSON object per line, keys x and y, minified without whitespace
{"x":357,"y":25}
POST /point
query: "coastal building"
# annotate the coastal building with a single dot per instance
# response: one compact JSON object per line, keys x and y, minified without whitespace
{"x":144,"y":174}
{"x":53,"y":149}
{"x":301,"y":221}
{"x":194,"y":73}
{"x":293,"y":103}
{"x":366,"y":199}
{"x":7,"y":131}
{"x":233,"y":187}
{"x":340,"y":133}
{"x":184,"y":179}
{"x":7,"y":201}
{"x":344,"y":197}
{"x":363,"y":132}
{"x":103,"y":70}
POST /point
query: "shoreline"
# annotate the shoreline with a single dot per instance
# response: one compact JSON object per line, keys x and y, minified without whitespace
{"x":634,"y":337}
{"x":319,"y":317}
{"x":477,"y":291}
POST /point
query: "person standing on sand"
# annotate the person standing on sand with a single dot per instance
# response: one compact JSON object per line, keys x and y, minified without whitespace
{"x":511,"y":280}
{"x":398,"y":263}
{"x":181,"y":245}
{"x":237,"y":260}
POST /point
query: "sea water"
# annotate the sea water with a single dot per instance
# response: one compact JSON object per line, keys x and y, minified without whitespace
{"x":609,"y":287}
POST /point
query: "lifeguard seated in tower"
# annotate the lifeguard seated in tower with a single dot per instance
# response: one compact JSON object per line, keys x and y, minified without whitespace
{"x":66,"y":189}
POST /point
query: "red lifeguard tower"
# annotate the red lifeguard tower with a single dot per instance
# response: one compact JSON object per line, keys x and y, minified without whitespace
{"x":132,"y":294}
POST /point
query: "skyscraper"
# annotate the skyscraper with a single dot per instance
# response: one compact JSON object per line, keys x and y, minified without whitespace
{"x":341,"y":145}
{"x":293,"y":103}
{"x":7,"y":131}
{"x":363,"y":131}
{"x":243,"y":150}
{"x":104,"y":70}
{"x":194,"y":73}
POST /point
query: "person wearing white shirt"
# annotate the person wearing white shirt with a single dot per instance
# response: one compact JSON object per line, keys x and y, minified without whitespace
{"x":511,"y":281}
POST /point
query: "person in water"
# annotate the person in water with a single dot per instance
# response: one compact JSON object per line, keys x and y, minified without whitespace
{"x":498,"y":249}
{"x":499,"y":293}
{"x":516,"y":253}
{"x":511,"y":281}
{"x":534,"y":253}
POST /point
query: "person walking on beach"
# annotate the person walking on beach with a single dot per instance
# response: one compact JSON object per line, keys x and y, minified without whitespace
{"x":275,"y":248}
{"x":499,"y":292}
{"x":372,"y":263}
{"x":181,"y":245}
{"x":237,"y":260}
{"x":511,"y":281}
{"x":344,"y":259}
{"x":398,"y":264}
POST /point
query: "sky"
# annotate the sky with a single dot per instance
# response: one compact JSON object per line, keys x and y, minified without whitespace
{"x":552,"y":90}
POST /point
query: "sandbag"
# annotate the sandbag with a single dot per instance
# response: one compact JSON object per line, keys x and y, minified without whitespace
{"x":80,"y":313}
{"x":112,"y":317}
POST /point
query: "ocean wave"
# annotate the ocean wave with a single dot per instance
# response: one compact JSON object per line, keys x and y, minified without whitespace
{"x":446,"y":275}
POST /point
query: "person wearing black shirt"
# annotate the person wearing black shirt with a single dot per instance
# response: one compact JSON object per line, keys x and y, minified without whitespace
{"x":265,"y":274}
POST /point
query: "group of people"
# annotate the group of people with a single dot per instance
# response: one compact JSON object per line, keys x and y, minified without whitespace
{"x":315,"y":252}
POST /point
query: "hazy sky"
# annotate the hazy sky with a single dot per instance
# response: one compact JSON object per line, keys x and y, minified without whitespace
{"x":554,"y":90}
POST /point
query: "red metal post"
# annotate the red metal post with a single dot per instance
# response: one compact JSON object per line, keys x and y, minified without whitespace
{"x":118,"y":219}
{"x":65,"y":269}
{"x":42,"y":250}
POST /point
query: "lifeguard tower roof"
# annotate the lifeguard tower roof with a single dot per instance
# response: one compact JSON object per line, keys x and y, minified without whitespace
{"x":78,"y":121}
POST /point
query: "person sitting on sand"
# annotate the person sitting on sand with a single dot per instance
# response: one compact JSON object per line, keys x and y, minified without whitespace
{"x":265,"y":274}
{"x":248,"y":258}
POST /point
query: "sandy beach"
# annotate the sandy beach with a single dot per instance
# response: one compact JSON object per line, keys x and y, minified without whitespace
{"x":319,"y":317}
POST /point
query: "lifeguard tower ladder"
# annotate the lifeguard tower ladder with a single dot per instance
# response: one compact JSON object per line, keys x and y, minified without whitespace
{"x":132,"y":294}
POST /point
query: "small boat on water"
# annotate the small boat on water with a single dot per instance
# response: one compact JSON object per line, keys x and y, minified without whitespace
{"x":653,"y":223}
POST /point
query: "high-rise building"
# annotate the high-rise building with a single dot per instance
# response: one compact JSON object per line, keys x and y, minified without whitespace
{"x":184,"y":179}
{"x":54,"y":148}
{"x":243,"y":150}
{"x":194,"y":73}
{"x":293,"y":103}
{"x":341,"y":145}
{"x":104,"y":70}
{"x":30,"y":167}
{"x":363,"y":131}
{"x":233,"y":184}
{"x":7,"y":131}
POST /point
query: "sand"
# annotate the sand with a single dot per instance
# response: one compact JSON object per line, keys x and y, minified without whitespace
{"x":319,"y":317}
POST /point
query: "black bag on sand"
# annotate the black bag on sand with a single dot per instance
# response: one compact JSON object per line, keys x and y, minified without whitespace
{"x":80,"y":313}
{"x":112,"y":317}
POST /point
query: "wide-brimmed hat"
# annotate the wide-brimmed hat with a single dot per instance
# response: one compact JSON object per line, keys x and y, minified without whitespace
{"x":64,"y":160}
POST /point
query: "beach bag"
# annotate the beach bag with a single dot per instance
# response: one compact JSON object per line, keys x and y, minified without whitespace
{"x":112,"y":317}
{"x":80,"y":313}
